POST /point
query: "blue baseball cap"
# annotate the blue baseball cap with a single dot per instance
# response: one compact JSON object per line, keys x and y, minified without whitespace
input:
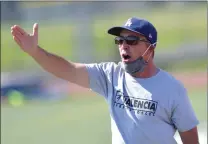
{"x":137,"y":25}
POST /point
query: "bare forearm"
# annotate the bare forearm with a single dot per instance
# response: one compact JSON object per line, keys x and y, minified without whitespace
{"x":54,"y":64}
{"x":190,"y":141}
{"x":190,"y":137}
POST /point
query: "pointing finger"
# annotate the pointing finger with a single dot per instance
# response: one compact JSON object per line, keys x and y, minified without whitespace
{"x":14,"y":32}
{"x":22,"y":31}
{"x":18,"y":35}
{"x":17,"y":40}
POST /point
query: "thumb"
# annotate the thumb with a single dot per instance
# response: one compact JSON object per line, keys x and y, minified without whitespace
{"x":35,"y":29}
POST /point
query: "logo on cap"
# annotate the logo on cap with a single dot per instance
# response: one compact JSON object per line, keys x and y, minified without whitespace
{"x":128,"y":23}
{"x":150,"y":36}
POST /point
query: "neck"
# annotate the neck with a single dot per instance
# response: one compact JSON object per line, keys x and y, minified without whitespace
{"x":149,"y":71}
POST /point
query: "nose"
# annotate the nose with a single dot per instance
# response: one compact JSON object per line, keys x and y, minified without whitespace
{"x":124,"y":45}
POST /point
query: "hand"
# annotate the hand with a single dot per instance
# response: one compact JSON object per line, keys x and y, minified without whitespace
{"x":27,"y":42}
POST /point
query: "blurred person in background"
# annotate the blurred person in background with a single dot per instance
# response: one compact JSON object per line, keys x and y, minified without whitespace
{"x":31,"y":85}
{"x":147,"y":104}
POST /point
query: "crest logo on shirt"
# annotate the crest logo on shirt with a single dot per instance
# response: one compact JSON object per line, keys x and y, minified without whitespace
{"x":141,"y":106}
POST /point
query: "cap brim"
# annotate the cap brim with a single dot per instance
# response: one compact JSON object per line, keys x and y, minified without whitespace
{"x":117,"y":30}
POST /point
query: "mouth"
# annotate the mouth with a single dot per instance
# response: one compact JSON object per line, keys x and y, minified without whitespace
{"x":126,"y":57}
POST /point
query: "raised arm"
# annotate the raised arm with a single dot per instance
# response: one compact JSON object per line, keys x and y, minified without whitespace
{"x":54,"y":64}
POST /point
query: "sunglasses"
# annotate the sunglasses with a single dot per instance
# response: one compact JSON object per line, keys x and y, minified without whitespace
{"x":130,"y":40}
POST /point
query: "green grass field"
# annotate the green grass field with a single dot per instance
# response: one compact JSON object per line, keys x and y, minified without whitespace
{"x":80,"y":120}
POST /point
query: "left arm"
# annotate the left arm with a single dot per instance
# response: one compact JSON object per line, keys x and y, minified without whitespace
{"x":184,"y":117}
{"x":190,"y":136}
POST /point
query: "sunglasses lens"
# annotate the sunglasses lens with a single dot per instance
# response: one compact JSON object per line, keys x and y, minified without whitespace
{"x":131,"y":40}
{"x":118,"y":40}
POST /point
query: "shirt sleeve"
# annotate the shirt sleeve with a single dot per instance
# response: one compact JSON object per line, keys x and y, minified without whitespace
{"x":100,"y":77}
{"x":183,"y":115}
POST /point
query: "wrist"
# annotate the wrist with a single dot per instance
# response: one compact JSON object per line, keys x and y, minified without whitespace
{"x":35,"y":51}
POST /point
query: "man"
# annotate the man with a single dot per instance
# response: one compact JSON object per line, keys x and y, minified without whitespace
{"x":147,"y":105}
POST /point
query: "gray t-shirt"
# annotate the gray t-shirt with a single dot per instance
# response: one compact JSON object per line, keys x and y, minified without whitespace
{"x":143,"y":111}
